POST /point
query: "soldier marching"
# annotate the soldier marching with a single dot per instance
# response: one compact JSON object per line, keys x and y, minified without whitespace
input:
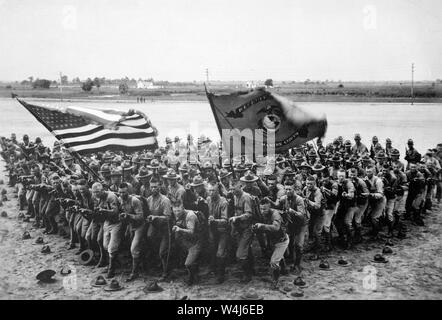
{"x":170,"y":210}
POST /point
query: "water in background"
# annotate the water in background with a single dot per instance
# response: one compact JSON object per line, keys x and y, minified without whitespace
{"x":422,"y":122}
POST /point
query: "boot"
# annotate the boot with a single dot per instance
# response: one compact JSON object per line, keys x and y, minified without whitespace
{"x":402,"y":231}
{"x":251,"y":264}
{"x":245,"y":266}
{"x":390,"y":229}
{"x":213,"y":265}
{"x":396,"y":218}
{"x":349,"y":240}
{"x":111,"y":268}
{"x":22,"y":203}
{"x":191,"y":275}
{"x":165,"y":268}
{"x":319,"y":244}
{"x":134,"y":274}
{"x":221,"y":270}
{"x":275,"y":278}
{"x":328,"y":241}
{"x":358,"y":235}
{"x":297,"y":261}
{"x":283,"y":267}
{"x":417,"y":218}
{"x":375,"y":232}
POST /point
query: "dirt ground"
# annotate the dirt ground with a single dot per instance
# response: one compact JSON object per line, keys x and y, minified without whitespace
{"x":414,"y":270}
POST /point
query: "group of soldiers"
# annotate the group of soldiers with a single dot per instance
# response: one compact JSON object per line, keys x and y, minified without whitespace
{"x":172,"y":208}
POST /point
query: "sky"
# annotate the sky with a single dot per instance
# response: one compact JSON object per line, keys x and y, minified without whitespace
{"x":176,"y":40}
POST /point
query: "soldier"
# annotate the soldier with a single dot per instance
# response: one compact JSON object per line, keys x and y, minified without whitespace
{"x":218,"y":230}
{"x":249,"y":184}
{"x":399,"y":204}
{"x":132,"y":212}
{"x":70,"y":166}
{"x":411,"y":154}
{"x":116,"y":163}
{"x":415,"y":197}
{"x":388,"y":148}
{"x":175,"y":191}
{"x":394,"y":156}
{"x":358,"y":148}
{"x":276,"y":190}
{"x":346,"y":209}
{"x":144,"y":176}
{"x":94,"y":234}
{"x":333,"y":171}
{"x":160,"y":222}
{"x":389,"y":181}
{"x":376,"y":200}
{"x":225,"y":178}
{"x":329,"y":189}
{"x":132,"y":182}
{"x":116,"y":179}
{"x":241,"y":224}
{"x":108,"y":208}
{"x":84,"y":221}
{"x":314,"y":203}
{"x":188,"y":230}
{"x":374,"y":146}
{"x":361,"y":198}
{"x":294,"y":212}
{"x":273,"y":225}
{"x":304,"y":173}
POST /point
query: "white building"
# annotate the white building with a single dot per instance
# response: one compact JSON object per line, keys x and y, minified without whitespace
{"x":141,"y":84}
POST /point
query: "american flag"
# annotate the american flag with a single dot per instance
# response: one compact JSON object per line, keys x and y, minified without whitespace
{"x":86,"y":130}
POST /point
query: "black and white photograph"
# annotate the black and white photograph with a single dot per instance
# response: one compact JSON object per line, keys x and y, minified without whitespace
{"x":219,"y":150}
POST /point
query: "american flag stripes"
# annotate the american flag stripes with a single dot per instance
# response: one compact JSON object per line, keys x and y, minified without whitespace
{"x":87,"y":130}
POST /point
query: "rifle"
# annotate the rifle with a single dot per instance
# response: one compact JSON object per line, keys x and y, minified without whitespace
{"x":65,"y":202}
{"x":25,"y":180}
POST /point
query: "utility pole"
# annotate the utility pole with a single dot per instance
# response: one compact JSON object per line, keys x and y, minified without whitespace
{"x":61,"y":89}
{"x":207,"y":75}
{"x":412,"y":83}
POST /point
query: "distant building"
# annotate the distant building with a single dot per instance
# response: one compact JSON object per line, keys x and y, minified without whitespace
{"x":141,"y":84}
{"x":251,"y":84}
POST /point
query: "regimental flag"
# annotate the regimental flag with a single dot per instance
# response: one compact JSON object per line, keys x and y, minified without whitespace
{"x":86,"y":130}
{"x":273,"y":114}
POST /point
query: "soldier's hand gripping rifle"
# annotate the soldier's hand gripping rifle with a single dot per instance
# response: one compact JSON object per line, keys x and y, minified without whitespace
{"x":87,"y":213}
{"x":26,"y":180}
{"x":66,"y":202}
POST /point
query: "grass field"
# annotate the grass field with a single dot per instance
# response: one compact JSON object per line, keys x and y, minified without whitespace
{"x":298,"y":91}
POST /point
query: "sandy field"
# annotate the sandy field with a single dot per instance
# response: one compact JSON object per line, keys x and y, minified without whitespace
{"x":414,"y":270}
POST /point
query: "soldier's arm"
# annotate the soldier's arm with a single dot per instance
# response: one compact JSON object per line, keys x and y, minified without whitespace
{"x":364,"y":187}
{"x":166,"y":209}
{"x":224,"y":215}
{"x":300,"y":206}
{"x":247,"y":210}
{"x":137,"y":216}
{"x":275,"y":226}
{"x":316,"y":204}
{"x":113,"y":205}
{"x":379,"y":189}
{"x":350,"y":190}
{"x":264,"y":189}
{"x":335,"y":189}
{"x":190,"y":226}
